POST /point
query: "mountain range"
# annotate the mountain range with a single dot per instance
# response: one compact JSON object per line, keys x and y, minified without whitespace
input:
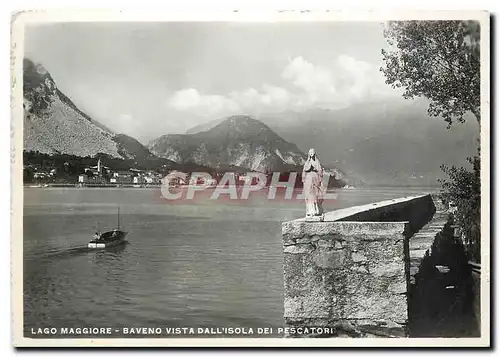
{"x":53,"y":124}
{"x":389,"y":143}
{"x":381,"y":143}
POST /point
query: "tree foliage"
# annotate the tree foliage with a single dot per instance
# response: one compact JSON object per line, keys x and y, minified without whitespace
{"x":439,"y":60}
{"x":463,"y":190}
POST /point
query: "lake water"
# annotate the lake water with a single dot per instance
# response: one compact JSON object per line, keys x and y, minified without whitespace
{"x":210,"y":264}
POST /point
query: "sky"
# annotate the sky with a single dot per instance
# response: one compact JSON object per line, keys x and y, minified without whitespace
{"x":151,"y":79}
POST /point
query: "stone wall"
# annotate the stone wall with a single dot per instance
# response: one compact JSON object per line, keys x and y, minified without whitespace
{"x":349,"y":276}
{"x":388,"y":269}
{"x":351,"y":272}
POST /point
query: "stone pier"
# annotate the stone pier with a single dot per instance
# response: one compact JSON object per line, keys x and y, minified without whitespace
{"x":353,"y":272}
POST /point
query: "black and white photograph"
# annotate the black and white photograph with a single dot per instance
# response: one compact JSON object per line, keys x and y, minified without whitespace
{"x":283,"y":180}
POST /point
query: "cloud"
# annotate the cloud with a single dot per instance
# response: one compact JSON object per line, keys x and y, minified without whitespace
{"x":346,"y":82}
{"x":191,"y":99}
{"x":266,"y":98}
{"x":316,"y":83}
{"x":361,"y":79}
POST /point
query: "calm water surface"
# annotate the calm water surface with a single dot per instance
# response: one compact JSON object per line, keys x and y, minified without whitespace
{"x":200,"y":265}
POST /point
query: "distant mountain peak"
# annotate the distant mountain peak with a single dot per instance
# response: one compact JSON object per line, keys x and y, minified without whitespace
{"x":240,"y":118}
{"x":238,"y":140}
{"x":243,"y":124}
{"x":29,"y":63}
{"x":41,"y":69}
{"x":54,"y":124}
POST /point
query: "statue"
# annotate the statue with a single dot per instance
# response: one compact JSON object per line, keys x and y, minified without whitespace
{"x":312,"y":177}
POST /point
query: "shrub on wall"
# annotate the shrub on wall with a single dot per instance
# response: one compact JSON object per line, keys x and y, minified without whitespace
{"x":462,"y":191}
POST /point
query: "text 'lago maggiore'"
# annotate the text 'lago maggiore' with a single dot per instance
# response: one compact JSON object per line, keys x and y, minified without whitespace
{"x":166,"y":331}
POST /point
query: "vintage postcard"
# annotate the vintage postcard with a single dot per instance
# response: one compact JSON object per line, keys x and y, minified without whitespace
{"x":283,"y":178}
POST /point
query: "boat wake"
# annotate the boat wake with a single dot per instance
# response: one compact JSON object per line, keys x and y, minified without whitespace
{"x":76,"y":251}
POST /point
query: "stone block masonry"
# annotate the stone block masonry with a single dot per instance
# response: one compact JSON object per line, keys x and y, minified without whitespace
{"x":351,"y":273}
{"x":346,"y":275}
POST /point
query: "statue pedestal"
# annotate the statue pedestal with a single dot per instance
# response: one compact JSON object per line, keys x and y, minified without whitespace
{"x":315,"y":218}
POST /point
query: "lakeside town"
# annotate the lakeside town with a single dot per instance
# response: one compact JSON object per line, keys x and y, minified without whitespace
{"x":96,"y":175}
{"x":100,"y":175}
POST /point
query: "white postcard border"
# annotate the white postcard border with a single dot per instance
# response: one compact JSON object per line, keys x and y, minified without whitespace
{"x":20,"y":19}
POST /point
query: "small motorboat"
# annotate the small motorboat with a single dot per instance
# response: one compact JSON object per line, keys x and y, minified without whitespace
{"x":109,"y":238}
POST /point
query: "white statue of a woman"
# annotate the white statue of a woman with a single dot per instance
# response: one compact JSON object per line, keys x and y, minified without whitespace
{"x":312,"y":177}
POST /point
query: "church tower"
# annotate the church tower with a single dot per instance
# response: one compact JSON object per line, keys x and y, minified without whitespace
{"x":99,"y":168}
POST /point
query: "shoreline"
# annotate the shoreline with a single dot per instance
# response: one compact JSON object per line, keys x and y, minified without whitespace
{"x":74,"y":185}
{"x":157,"y":186}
